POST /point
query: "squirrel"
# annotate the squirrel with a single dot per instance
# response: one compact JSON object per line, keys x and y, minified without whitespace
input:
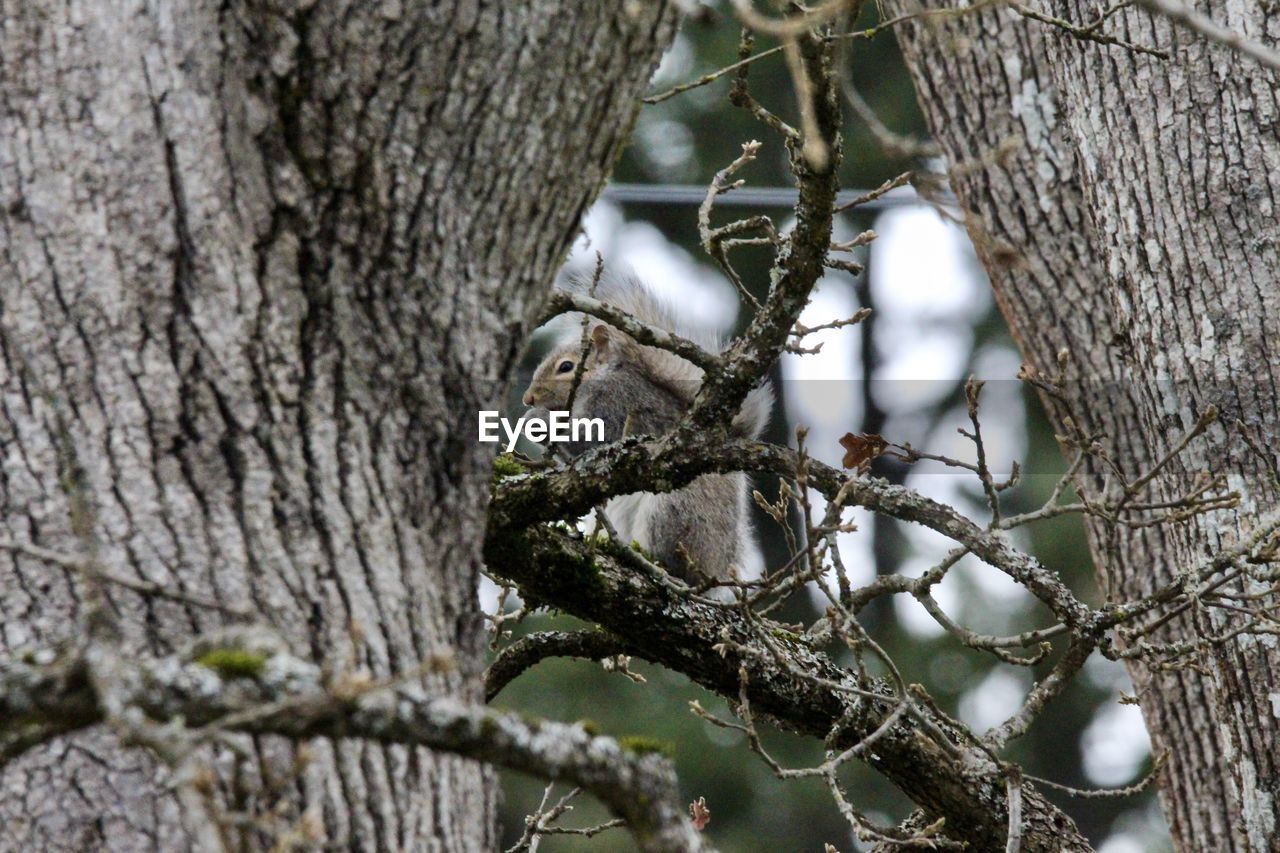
{"x":638,"y":390}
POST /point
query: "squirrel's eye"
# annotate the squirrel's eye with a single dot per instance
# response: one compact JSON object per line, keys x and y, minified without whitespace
{"x":564,"y":366}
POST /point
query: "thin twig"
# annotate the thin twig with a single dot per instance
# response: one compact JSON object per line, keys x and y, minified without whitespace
{"x":1204,"y":25}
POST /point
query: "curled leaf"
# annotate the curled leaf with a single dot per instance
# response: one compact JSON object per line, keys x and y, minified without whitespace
{"x":859,"y":450}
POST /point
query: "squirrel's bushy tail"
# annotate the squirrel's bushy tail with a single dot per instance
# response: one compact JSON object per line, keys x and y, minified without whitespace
{"x":627,"y":292}
{"x":754,"y":415}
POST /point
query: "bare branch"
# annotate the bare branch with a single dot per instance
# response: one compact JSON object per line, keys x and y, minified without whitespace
{"x":1088,"y":32}
{"x":1204,"y":25}
{"x":284,"y":695}
{"x":528,"y":651}
{"x":561,"y":302}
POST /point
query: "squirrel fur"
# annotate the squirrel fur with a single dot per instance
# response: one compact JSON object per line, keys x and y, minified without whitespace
{"x":639,"y":390}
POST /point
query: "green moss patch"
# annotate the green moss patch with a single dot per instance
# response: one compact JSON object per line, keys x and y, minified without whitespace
{"x":233,"y":663}
{"x":645,"y":745}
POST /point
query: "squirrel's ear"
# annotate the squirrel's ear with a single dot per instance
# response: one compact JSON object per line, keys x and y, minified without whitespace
{"x":602,"y":340}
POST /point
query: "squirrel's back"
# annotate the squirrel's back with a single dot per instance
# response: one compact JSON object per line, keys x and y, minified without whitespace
{"x":636,"y":389}
{"x":627,"y":292}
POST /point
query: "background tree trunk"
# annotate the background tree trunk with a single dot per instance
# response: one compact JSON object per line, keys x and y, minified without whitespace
{"x":262,"y":263}
{"x":1133,"y":233}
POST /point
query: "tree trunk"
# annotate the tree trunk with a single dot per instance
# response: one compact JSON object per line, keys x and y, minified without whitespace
{"x":1132,"y":237}
{"x":262,"y":263}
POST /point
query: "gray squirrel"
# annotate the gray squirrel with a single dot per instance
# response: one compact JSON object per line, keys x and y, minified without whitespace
{"x":642,"y":390}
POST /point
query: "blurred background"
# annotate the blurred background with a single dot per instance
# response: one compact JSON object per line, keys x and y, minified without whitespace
{"x":900,"y":374}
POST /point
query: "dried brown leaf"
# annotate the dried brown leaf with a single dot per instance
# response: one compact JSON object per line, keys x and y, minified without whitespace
{"x":861,"y":449}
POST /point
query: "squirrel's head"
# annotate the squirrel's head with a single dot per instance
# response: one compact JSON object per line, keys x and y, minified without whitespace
{"x":549,"y":388}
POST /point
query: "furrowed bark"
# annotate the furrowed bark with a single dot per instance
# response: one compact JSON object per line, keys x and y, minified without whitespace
{"x":1133,"y":235}
{"x":262,"y":263}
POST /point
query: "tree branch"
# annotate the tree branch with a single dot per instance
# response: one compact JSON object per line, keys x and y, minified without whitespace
{"x":43,"y":695}
{"x":535,"y":648}
{"x":805,"y":691}
{"x":662,"y":464}
{"x":1204,"y":25}
{"x":560,"y":302}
